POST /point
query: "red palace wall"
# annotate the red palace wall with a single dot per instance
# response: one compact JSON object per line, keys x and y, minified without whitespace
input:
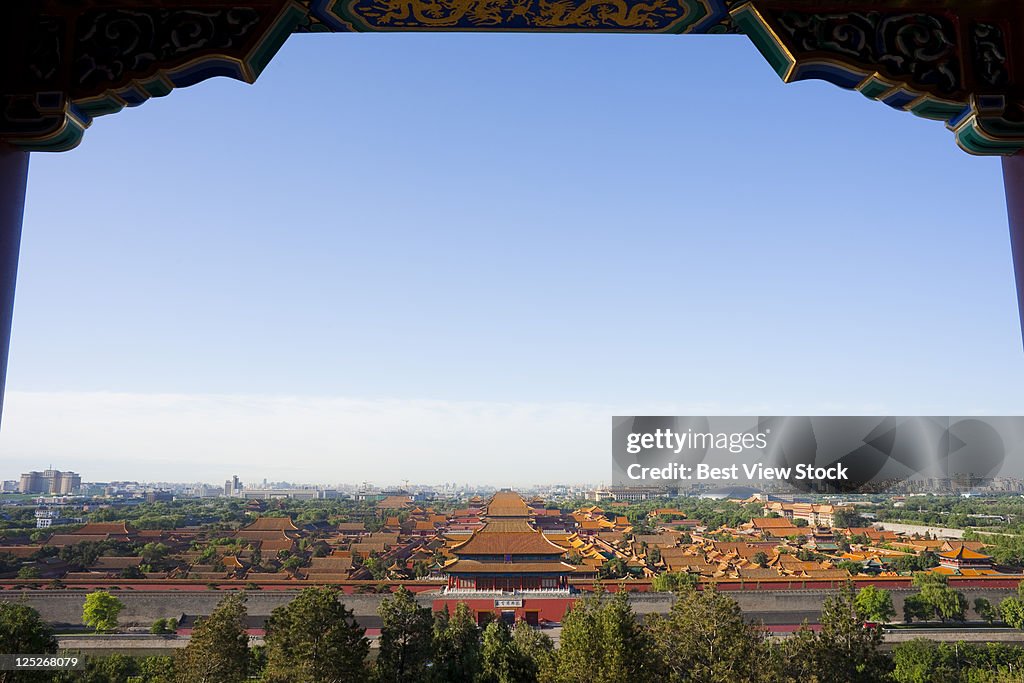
{"x":545,"y":609}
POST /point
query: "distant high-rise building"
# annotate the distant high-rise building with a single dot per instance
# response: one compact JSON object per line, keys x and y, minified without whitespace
{"x":233,"y":487}
{"x":30,"y":482}
{"x":50,"y":481}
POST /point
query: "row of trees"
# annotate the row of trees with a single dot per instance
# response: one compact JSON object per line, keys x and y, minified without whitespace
{"x":702,"y":639}
{"x":316,"y":638}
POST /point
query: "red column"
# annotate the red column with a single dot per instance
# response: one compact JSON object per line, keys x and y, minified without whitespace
{"x":13,"y":181}
{"x":1013,"y":179}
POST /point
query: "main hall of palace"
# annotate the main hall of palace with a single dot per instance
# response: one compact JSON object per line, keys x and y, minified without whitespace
{"x":509,"y":567}
{"x":508,"y":553}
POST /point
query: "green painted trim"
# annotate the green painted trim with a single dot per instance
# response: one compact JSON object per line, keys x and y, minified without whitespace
{"x":936,"y":110}
{"x":973,"y":138}
{"x":749,"y":21}
{"x":67,"y":138}
{"x":286,"y":23}
{"x":71,"y":132}
{"x":983,"y":137}
{"x":696,"y":12}
{"x":100,"y":106}
{"x":873,"y":88}
{"x":156,"y":87}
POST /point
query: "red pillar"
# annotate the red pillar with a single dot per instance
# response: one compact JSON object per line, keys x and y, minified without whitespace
{"x":13,"y":181}
{"x":1013,"y":179}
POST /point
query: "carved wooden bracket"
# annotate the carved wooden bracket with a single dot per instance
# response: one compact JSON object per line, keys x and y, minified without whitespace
{"x":949,"y":60}
{"x":68,"y":61}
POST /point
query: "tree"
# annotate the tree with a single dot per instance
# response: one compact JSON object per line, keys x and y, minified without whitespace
{"x":760,"y":558}
{"x":293,"y":563}
{"x":627,"y":647}
{"x":100,"y":611}
{"x":874,"y":604}
{"x":615,"y":568}
{"x":845,"y":519}
{"x":219,"y":647}
{"x":944,"y":602}
{"x":984,"y":609}
{"x":850,"y":566}
{"x":21,"y":630}
{"x":405,"y":638}
{"x":456,"y":646}
{"x":672,"y":582}
{"x":791,"y":660}
{"x":28,"y":572}
{"x":115,"y":668}
{"x":156,"y":669}
{"x":915,"y":661}
{"x":536,"y":651}
{"x":847,"y":650}
{"x":501,"y":662}
{"x":915,"y":607}
{"x":1012,"y":612}
{"x":152,"y":553}
{"x":131,"y":573}
{"x":704,"y":639}
{"x":164,"y":626}
{"x":315,"y":638}
{"x":603,"y":641}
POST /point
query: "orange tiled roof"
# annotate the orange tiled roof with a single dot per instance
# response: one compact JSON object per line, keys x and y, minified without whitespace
{"x":756,"y":573}
{"x":271,"y":524}
{"x":111,"y":562}
{"x":19,"y":550}
{"x":507,"y":504}
{"x":276,"y":546}
{"x":367,"y":548}
{"x":508,"y":525}
{"x":962,"y":553}
{"x":504,"y":540}
{"x":101,"y":528}
{"x":394,"y":503}
{"x":827,"y":573}
{"x":74,"y":539}
{"x":247,"y":535}
{"x":477,"y":567}
{"x":329,"y":564}
{"x":770,"y":522}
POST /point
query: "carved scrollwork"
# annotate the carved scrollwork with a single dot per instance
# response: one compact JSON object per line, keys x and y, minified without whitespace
{"x":75,"y":60}
{"x":908,"y":46}
{"x":45,"y":51}
{"x":114,"y":45}
{"x":991,"y":62}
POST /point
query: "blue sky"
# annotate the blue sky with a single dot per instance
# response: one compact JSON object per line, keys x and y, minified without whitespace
{"x":543,"y":230}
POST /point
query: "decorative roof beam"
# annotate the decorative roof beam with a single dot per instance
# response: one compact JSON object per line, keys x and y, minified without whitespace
{"x":955,"y":61}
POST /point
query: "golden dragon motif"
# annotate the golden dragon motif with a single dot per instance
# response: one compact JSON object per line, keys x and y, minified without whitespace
{"x":534,"y":14}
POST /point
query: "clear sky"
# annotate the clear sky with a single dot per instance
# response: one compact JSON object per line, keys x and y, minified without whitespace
{"x":454,"y":257}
